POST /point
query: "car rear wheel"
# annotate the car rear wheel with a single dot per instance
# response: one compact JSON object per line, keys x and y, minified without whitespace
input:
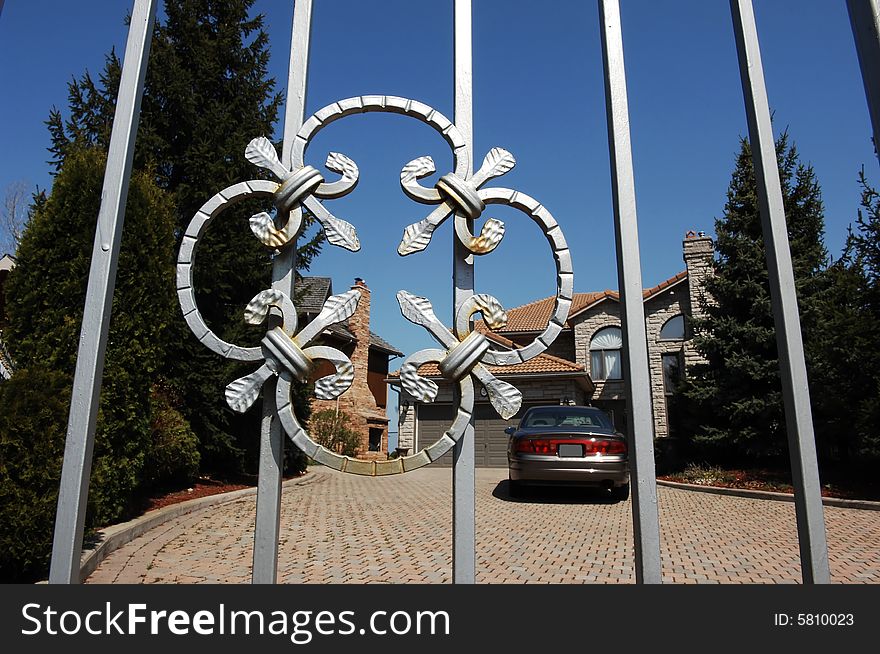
{"x":620,"y":493}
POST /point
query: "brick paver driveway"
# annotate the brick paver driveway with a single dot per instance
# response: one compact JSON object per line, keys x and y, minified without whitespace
{"x":349,"y":529}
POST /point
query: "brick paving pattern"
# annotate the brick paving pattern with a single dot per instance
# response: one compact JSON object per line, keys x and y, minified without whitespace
{"x":339,"y":528}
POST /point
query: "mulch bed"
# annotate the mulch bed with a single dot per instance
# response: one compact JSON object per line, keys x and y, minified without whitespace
{"x":833,"y":484}
{"x":203,"y":487}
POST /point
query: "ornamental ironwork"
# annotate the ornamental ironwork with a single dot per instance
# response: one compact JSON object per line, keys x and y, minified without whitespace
{"x":289,"y":355}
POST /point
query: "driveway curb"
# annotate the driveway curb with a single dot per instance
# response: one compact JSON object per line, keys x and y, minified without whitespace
{"x":115,"y":536}
{"x":864,"y":505}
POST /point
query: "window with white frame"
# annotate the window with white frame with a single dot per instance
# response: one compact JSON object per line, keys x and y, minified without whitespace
{"x":605,"y":361}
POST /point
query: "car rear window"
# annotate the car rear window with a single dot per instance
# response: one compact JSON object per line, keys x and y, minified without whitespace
{"x":566,"y":416}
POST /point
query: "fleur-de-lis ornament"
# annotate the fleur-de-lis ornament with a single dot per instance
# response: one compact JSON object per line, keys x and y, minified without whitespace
{"x":282,"y":350}
{"x":454,"y":194}
{"x":464,"y":350}
{"x":302,"y":188}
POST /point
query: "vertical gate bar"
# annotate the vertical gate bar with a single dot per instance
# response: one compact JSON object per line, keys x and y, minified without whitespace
{"x":640,"y":426}
{"x":80,"y":441}
{"x":463,"y":470}
{"x":267,"y":523}
{"x":864,"y":16}
{"x":268,"y":519}
{"x":795,"y":392}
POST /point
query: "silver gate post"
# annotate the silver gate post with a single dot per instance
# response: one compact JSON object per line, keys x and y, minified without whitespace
{"x":80,"y":442}
{"x":463,"y":472}
{"x":646,"y":523}
{"x":864,"y":16}
{"x":796,"y":395}
{"x":268,"y":519}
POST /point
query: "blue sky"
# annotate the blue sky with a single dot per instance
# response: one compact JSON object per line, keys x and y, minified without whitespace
{"x":537,"y":92}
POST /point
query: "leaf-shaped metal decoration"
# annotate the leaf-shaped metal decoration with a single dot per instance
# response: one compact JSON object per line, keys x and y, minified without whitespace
{"x":489,"y":238}
{"x":332,"y":386}
{"x":258,"y":308}
{"x":339,"y":163}
{"x":422,"y":389}
{"x":261,"y":152}
{"x":413,"y":171}
{"x":418,"y":310}
{"x":493,"y":312}
{"x":417,"y":236}
{"x":498,"y":162}
{"x":338,"y":231}
{"x":242,"y":393}
{"x":263,"y":227}
{"x":416,"y":169}
{"x":506,"y":398}
{"x":336,"y":309}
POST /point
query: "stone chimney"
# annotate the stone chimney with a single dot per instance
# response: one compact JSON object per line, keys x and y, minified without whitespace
{"x":698,"y":252}
{"x":359,"y":325}
{"x":358,"y":401}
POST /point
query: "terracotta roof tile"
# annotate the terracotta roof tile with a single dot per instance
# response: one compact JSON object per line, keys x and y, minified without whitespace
{"x":535,"y":315}
{"x":541,"y":364}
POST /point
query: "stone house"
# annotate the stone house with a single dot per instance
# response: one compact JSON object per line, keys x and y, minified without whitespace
{"x":584,"y":364}
{"x":367,"y":398}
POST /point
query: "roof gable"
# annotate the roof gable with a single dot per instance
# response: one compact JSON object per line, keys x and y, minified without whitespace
{"x":312,"y":292}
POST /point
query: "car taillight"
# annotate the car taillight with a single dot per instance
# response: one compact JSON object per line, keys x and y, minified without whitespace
{"x":536,"y":446}
{"x":601,"y":446}
{"x":608,"y":447}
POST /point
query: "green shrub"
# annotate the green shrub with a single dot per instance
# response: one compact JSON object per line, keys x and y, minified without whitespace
{"x":173,"y":457}
{"x":333,"y":430}
{"x":45,"y":299}
{"x":33,"y":422}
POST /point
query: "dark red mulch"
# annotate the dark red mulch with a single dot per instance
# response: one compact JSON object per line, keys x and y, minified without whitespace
{"x":203,"y":487}
{"x":838,"y":485}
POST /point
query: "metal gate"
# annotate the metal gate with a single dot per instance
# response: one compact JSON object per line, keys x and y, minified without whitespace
{"x":286,"y":354}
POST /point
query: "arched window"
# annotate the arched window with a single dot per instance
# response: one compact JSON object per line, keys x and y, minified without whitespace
{"x":605,"y":354}
{"x":673,"y":329}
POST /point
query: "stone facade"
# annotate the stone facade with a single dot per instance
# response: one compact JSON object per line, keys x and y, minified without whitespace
{"x":680,"y":296}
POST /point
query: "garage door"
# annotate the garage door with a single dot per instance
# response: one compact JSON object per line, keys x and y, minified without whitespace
{"x":490,"y":443}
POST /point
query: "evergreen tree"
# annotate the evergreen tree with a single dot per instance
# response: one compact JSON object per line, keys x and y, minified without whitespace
{"x":849,"y":362}
{"x":735,"y":399}
{"x":45,"y":298}
{"x":206,"y":96}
